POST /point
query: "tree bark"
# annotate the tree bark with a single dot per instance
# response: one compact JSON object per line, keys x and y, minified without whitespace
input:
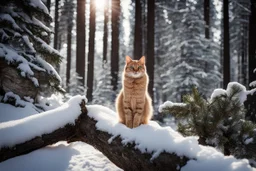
{"x":125,"y":157}
{"x":56,"y":25}
{"x":251,"y":100}
{"x":115,"y":43}
{"x":80,"y":40}
{"x":105,"y":35}
{"x":90,"y":62}
{"x":207,"y":18}
{"x":138,"y":31}
{"x":252,"y":42}
{"x":226,"y":49}
{"x":69,"y":42}
{"x":150,"y":62}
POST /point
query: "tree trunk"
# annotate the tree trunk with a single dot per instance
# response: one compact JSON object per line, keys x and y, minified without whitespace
{"x":226,"y":50}
{"x":80,"y":40}
{"x":150,"y":46}
{"x":56,"y":40}
{"x":251,"y":100}
{"x":138,"y":31}
{"x":56,"y":25}
{"x":115,"y":43}
{"x":90,"y":63}
{"x":207,"y":18}
{"x":144,"y":27}
{"x":69,"y":42}
{"x":252,"y":42}
{"x":125,"y":157}
{"x":105,"y":35}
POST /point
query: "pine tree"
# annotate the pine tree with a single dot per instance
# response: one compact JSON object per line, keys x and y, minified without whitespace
{"x":25,"y":56}
{"x":103,"y":93}
{"x":75,"y":86}
{"x":219,"y":122}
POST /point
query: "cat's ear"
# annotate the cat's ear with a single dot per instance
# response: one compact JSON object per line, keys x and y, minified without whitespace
{"x":142,"y":60}
{"x":128,"y":59}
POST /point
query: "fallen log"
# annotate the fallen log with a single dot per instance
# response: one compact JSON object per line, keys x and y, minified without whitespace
{"x":84,"y":129}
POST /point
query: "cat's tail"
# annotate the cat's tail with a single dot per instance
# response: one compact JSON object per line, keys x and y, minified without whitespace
{"x":119,"y":107}
{"x":148,"y":110}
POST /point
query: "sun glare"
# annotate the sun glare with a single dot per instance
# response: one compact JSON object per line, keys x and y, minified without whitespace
{"x":100,"y":4}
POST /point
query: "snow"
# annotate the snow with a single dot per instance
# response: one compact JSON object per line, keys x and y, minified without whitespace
{"x":25,"y":68}
{"x":8,"y":18}
{"x":18,"y":101}
{"x":23,"y":65}
{"x":49,"y":68}
{"x":9,"y":112}
{"x":248,"y":141}
{"x":19,"y":131}
{"x":49,"y":103}
{"x":252,"y":84}
{"x":41,"y":25}
{"x":35,"y":81}
{"x":242,"y":96}
{"x":169,"y":104}
{"x":218,"y":92}
{"x":165,"y":139}
{"x":59,"y":157}
{"x":29,"y":44}
{"x":151,"y":138}
{"x":39,"y":4}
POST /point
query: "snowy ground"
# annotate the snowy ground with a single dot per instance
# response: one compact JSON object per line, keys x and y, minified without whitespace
{"x":58,"y":157}
{"x":76,"y":156}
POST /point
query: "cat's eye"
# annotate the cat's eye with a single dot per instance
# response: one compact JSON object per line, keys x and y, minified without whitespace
{"x":140,"y":67}
{"x":131,"y":67}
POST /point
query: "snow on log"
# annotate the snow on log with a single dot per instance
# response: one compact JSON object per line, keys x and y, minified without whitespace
{"x":148,"y":147}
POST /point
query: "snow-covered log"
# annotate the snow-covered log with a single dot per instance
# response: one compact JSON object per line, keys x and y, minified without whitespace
{"x":147,"y":147}
{"x":84,"y":129}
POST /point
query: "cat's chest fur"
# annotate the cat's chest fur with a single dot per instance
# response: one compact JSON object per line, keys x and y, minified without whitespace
{"x":134,"y":91}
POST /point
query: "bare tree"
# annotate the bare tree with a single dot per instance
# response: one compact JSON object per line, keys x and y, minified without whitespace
{"x":70,"y":7}
{"x":115,"y":19}
{"x":80,"y":40}
{"x":56,"y":24}
{"x":226,"y":49}
{"x":138,"y":30}
{"x":207,"y":18}
{"x":252,"y":42}
{"x":251,"y":100}
{"x":90,"y":62}
{"x":150,"y":46}
{"x":105,"y":35}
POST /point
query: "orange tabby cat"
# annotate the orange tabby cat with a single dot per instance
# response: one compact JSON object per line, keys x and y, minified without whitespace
{"x":133,"y":103}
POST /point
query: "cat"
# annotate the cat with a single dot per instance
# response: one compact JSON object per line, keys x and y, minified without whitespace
{"x":133,"y":103}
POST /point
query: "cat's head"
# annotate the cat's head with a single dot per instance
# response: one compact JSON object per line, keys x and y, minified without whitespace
{"x":135,"y":68}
